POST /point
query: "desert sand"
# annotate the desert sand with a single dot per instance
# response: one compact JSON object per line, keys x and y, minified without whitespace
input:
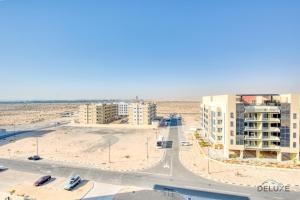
{"x":106,"y":148}
{"x":30,"y":113}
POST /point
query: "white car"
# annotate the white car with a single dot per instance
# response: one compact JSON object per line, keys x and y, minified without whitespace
{"x":185,"y":143}
{"x":3,"y":168}
{"x":73,"y":181}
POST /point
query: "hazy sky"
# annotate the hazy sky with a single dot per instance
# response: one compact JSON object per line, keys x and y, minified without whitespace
{"x":161,"y":49}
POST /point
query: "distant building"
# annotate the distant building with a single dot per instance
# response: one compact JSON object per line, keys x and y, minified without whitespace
{"x":122,"y":108}
{"x":253,"y":126}
{"x":141,"y":113}
{"x":97,"y":113}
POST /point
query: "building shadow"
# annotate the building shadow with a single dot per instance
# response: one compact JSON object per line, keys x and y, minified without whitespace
{"x":163,"y":192}
{"x":199,"y":193}
{"x":12,"y":137}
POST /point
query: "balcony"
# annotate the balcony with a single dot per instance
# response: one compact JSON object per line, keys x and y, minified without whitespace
{"x":256,"y":119}
{"x":263,"y":148}
{"x":271,"y":129}
{"x":252,"y":147}
{"x":262,"y":109}
{"x":252,"y":128}
{"x":270,"y":147}
{"x":271,"y":120}
{"x":252,"y":137}
{"x":251,"y":119}
{"x":271,"y":138}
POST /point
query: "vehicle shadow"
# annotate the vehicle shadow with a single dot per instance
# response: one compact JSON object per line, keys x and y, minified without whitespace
{"x":81,"y":184}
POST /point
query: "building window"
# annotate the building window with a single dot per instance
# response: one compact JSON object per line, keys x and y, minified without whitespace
{"x":231,"y":133}
{"x":294,"y":125}
{"x":220,"y":130}
{"x":294,"y":144}
{"x":219,"y":114}
{"x":219,"y":138}
{"x":231,"y":141}
{"x":219,"y":121}
{"x":295,"y":116}
{"x":231,"y":124}
{"x":294,"y":135}
{"x":232,"y":115}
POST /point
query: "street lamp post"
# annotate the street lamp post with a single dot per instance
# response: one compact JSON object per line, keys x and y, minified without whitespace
{"x":109,"y":151}
{"x":208,"y":171}
{"x":37,"y":146}
{"x":147,"y":148}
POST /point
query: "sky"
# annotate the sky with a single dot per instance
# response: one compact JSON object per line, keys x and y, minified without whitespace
{"x":154,"y":49}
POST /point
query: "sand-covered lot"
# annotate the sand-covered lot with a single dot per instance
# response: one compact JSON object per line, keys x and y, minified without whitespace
{"x":29,"y":113}
{"x":83,"y":145}
{"x":89,"y":147}
{"x":189,"y":110}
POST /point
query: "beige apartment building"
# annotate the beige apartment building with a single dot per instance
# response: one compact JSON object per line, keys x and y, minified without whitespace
{"x":97,"y":113}
{"x":253,"y":126}
{"x":141,"y":113}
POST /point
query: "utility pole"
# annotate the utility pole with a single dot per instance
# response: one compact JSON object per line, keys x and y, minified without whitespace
{"x":109,"y":151}
{"x":208,"y":171}
{"x":37,"y":146}
{"x":14,"y":126}
{"x":147,"y":149}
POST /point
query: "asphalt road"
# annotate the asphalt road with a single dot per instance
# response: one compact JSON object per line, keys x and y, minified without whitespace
{"x":169,"y":175}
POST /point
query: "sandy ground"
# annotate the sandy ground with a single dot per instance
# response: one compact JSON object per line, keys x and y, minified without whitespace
{"x":11,"y":114}
{"x":189,"y":110}
{"x":194,"y":158}
{"x":21,"y":184}
{"x":187,"y":107}
{"x":89,"y":147}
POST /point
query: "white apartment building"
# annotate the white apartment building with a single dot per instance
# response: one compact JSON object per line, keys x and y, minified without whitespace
{"x":122,"y":108}
{"x":141,"y":113}
{"x":250,"y":125}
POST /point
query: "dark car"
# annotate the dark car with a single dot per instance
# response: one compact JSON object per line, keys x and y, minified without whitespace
{"x":35,"y":157}
{"x":42,"y":180}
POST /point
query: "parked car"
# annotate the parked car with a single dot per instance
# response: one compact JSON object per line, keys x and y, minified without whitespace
{"x":185,"y":143}
{"x":73,"y":181}
{"x":2,"y":168}
{"x":35,"y":157}
{"x":42,"y":180}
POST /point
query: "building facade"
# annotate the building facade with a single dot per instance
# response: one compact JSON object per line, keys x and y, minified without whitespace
{"x":140,"y":113}
{"x":97,"y":113}
{"x":258,"y":126}
{"x":122,"y":108}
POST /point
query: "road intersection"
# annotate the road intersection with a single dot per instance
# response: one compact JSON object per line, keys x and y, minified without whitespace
{"x":168,"y":175}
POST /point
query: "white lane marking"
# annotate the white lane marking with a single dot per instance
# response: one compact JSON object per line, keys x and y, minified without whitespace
{"x":166,"y":165}
{"x":150,"y":173}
